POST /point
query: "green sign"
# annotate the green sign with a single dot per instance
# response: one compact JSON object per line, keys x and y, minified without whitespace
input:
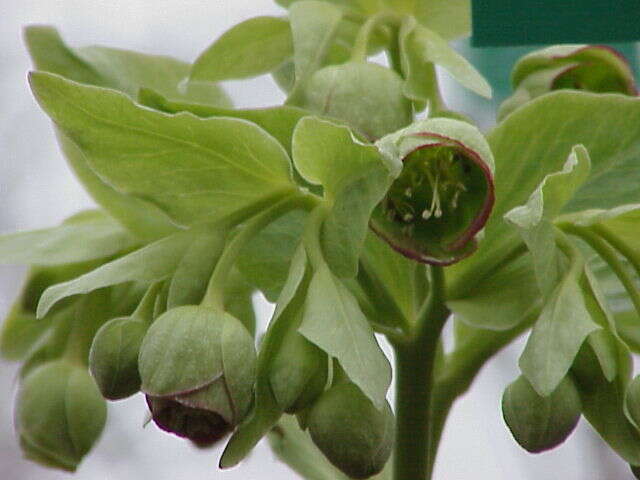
{"x":526,"y":22}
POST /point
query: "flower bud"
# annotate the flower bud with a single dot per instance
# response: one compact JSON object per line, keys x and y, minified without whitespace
{"x":338,"y":91}
{"x":354,"y":436}
{"x":113,"y":358}
{"x":592,"y":68}
{"x":541,"y":423}
{"x":298,"y":374}
{"x":59,"y":414}
{"x":443,"y":195}
{"x":197,"y":367}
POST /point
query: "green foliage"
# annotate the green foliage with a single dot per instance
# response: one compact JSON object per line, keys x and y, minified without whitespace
{"x":342,"y":207}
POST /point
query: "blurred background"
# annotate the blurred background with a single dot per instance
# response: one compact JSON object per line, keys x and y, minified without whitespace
{"x":37,"y":190}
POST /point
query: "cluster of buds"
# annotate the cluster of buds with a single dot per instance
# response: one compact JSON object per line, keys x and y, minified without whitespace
{"x":443,"y":195}
{"x":591,"y":68}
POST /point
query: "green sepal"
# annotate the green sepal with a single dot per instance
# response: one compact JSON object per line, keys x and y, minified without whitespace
{"x":59,"y":414}
{"x":593,"y":68}
{"x":541,"y":423}
{"x":336,"y":91}
{"x":354,"y":436}
{"x":443,"y":195}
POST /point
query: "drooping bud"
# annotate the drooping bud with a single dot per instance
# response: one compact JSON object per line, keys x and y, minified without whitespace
{"x":113,"y":358}
{"x":541,"y":423}
{"x":197,"y":367}
{"x":592,"y":68}
{"x":354,"y":436}
{"x":59,"y":414}
{"x":443,"y":195}
{"x":298,"y":373}
{"x":337,"y":91}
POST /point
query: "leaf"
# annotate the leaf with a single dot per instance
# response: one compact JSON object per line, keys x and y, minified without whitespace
{"x":266,"y":259}
{"x":313,"y":26}
{"x":294,"y":447}
{"x":334,"y":322}
{"x":603,"y":402}
{"x":534,"y":220}
{"x":564,"y":323}
{"x":535,"y":141}
{"x":96,"y":236}
{"x":354,"y":178}
{"x":266,"y":411}
{"x":192,"y":168}
{"x":251,"y":48}
{"x":279,"y":122}
{"x":422,"y":45}
{"x":238,"y":300}
{"x":502,"y":300}
{"x":118,"y":69}
{"x":189,"y":282}
{"x":148,"y":264}
{"x":449,"y":18}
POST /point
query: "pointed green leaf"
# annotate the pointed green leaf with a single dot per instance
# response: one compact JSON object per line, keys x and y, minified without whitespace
{"x":354,"y":178}
{"x":97,"y":236}
{"x":118,"y":69}
{"x":266,"y":411}
{"x":563,"y":325}
{"x":333,"y":321}
{"x":190,"y":167}
{"x":534,"y":220}
{"x":149,"y":264}
{"x":426,"y":46}
{"x":313,"y":26}
{"x":449,"y":18}
{"x":251,"y":48}
{"x":279,"y":121}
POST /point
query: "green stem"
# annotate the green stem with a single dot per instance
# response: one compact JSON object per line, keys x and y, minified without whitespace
{"x":144,"y":310}
{"x":609,"y":255}
{"x":361,"y":45}
{"x":630,"y":254}
{"x":415,"y":360}
{"x":214,"y":296}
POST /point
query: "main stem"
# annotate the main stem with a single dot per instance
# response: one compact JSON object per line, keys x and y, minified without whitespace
{"x":415,"y":360}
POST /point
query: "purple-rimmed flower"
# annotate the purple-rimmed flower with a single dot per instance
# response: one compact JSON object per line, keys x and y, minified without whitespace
{"x":591,"y":68}
{"x":197,"y":367}
{"x":443,"y":194}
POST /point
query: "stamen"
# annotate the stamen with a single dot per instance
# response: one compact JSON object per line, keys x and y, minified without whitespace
{"x":426,"y":214}
{"x":408,"y":193}
{"x":407,"y":217}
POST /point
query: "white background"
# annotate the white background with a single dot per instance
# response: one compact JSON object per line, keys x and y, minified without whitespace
{"x":37,"y":190}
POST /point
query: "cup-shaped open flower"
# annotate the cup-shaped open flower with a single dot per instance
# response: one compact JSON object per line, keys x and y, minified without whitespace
{"x":443,"y":195}
{"x":350,"y":431}
{"x":59,"y":414}
{"x":113,"y":358}
{"x":592,"y":68}
{"x":197,"y":367}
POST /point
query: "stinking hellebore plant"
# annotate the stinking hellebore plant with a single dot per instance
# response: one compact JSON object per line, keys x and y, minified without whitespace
{"x":362,"y":205}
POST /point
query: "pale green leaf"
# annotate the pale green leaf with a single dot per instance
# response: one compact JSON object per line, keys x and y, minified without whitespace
{"x":535,"y":141}
{"x":534,"y":220}
{"x":192,"y":168}
{"x":313,"y":26}
{"x":502,"y":300}
{"x":334,"y":322}
{"x":254,"y":47}
{"x":564,"y":324}
{"x":97,"y":236}
{"x":426,"y":46}
{"x":354,"y":178}
{"x":266,"y":411}
{"x":449,"y":18}
{"x":149,"y":264}
{"x":121,"y":70}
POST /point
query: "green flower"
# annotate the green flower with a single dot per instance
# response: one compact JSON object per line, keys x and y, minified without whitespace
{"x":197,"y":367}
{"x":60,"y":414}
{"x":592,"y":68}
{"x":443,"y":195}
